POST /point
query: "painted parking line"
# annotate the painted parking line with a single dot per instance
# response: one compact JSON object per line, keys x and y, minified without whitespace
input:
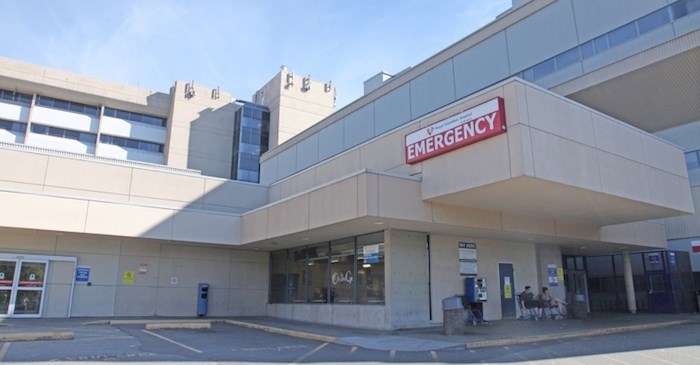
{"x":434,"y":356}
{"x":353,"y":349}
{"x":3,"y":351}
{"x":172,"y":341}
{"x":317,"y":349}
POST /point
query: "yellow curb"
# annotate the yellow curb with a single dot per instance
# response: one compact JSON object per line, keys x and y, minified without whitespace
{"x":281,"y":331}
{"x":561,"y":336}
{"x":179,"y":325}
{"x":36,"y":336}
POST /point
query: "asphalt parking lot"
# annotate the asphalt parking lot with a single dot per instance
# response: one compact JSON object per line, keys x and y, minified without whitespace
{"x":272,"y":340}
{"x":223,"y":342}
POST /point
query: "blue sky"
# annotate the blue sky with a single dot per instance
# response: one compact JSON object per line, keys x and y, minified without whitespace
{"x":237,"y":45}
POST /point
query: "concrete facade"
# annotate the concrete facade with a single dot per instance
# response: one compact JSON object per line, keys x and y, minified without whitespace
{"x":296,"y":103}
{"x":574,"y":172}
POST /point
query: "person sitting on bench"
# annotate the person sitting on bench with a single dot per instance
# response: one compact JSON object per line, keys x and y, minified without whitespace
{"x":528,"y":301}
{"x":548,"y":301}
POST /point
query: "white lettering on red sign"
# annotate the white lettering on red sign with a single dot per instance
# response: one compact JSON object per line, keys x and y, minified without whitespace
{"x":470,"y":126}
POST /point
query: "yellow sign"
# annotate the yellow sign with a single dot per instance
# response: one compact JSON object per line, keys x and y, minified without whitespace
{"x":560,"y":274}
{"x":128,"y":278}
{"x":507,"y":291}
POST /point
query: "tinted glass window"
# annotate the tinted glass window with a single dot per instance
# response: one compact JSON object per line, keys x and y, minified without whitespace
{"x":691,"y":160}
{"x":653,"y":20}
{"x":543,"y":69}
{"x":567,"y":58}
{"x":622,"y":34}
{"x":587,"y":50}
{"x":601,"y":43}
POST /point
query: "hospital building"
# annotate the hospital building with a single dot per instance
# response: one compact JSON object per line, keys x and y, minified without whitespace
{"x":557,"y":146}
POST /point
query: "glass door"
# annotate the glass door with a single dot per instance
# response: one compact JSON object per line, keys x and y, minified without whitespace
{"x":30,"y":289}
{"x":7,"y":274}
{"x":22,"y":286}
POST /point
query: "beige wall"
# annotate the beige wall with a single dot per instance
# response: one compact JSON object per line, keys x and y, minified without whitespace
{"x":294,"y":108}
{"x":238,"y":278}
{"x":446,"y":281}
{"x":200,"y":130}
{"x":90,"y":195}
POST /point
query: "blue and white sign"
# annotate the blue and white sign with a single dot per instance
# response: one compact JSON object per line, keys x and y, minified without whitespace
{"x":371,"y":254}
{"x":82,"y":273}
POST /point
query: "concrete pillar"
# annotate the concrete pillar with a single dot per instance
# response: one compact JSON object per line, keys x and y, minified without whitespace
{"x":629,"y":282}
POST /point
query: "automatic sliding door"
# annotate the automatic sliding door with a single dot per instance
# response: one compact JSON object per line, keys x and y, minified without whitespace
{"x":30,"y":289}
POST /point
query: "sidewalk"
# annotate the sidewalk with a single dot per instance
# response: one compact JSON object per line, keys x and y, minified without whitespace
{"x":494,"y":333}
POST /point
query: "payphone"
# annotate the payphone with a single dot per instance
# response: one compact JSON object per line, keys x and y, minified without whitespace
{"x":475,"y":289}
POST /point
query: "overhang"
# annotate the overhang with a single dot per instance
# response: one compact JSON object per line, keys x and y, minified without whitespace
{"x":653,"y":90}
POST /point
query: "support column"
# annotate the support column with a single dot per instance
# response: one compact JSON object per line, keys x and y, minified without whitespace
{"x":629,"y":282}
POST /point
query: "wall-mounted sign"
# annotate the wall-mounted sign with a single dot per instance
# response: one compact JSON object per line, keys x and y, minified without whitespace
{"x":553,"y":275}
{"x":695,"y":246}
{"x":467,"y":258}
{"x":371,"y":254}
{"x":143,"y":269}
{"x":82,"y":274}
{"x":128,"y":278}
{"x":470,"y":126}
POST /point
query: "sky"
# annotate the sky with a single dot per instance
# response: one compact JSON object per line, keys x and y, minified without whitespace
{"x":237,"y":45}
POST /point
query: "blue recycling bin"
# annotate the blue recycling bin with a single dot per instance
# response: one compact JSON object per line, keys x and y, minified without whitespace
{"x":202,"y":299}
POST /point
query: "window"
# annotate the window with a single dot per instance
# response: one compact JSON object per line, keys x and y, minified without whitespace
{"x":682,"y":8}
{"x":24,"y":99}
{"x":67,"y":105}
{"x":692,"y":161}
{"x":622,"y":34}
{"x":131,"y":143}
{"x":370,"y":271}
{"x":134,"y":117}
{"x":568,"y":58}
{"x":544,"y":68}
{"x":296,"y":280}
{"x":653,"y":21}
{"x":13,"y":126}
{"x":64,"y":133}
{"x":345,"y":271}
{"x":587,"y":50}
{"x":317,"y":275}
{"x":601,"y":43}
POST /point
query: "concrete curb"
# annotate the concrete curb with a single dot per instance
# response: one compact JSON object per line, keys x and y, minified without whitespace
{"x":281,"y":331}
{"x":153,"y":321}
{"x":561,"y":336}
{"x":36,"y":336}
{"x":179,"y":325}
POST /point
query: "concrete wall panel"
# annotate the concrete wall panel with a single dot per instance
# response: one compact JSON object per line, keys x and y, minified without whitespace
{"x":539,"y":36}
{"x":490,"y":57}
{"x":307,"y":152}
{"x":432,"y":89}
{"x":358,"y":126}
{"x":331,"y":140}
{"x":392,"y":109}
{"x":595,"y":17}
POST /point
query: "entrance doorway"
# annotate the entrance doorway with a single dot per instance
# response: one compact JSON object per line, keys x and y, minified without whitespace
{"x":22,"y":284}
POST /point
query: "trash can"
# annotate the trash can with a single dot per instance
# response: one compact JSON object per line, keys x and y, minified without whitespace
{"x":453,"y":316}
{"x":202,"y":299}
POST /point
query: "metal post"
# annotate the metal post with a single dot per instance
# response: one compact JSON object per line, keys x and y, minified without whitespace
{"x":629,"y":282}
